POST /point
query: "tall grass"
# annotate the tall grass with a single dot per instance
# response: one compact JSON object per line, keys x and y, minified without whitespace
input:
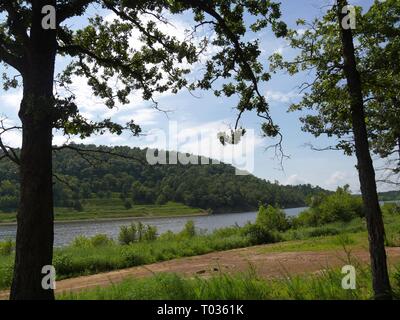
{"x":245,"y":286}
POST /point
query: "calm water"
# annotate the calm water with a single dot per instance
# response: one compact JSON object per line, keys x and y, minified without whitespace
{"x":66,"y":232}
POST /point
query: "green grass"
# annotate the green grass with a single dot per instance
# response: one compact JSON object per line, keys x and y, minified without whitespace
{"x":76,"y":260}
{"x":246,"y":286}
{"x":114,"y":208}
{"x":327,"y":243}
{"x":90,"y":257}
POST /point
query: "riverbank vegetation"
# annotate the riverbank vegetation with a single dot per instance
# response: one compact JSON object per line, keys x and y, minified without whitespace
{"x":245,"y":286}
{"x":139,"y":244}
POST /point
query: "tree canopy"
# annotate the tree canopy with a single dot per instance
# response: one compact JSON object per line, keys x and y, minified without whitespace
{"x":377,"y":51}
{"x":213,"y":186}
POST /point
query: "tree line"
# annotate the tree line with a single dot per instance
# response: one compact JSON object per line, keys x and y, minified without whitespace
{"x":124,"y":170}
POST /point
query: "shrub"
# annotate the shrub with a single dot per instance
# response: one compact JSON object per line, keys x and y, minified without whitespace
{"x":6,"y":274}
{"x":227,"y":232}
{"x":391,"y":209}
{"x":323,"y":231}
{"x":136,"y":233}
{"x":272,"y":218}
{"x":167,"y":236}
{"x":127,"y":234}
{"x":150,"y":233}
{"x":101,"y":240}
{"x":63,"y":264}
{"x":133,"y":256}
{"x":259,"y":234}
{"x":81,"y":242}
{"x":339,"y":206}
{"x":6,"y":248}
{"x":127,"y":204}
{"x":392,"y":240}
{"x":189,"y":230}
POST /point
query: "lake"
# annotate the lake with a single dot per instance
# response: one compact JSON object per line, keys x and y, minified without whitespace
{"x":65,"y":232}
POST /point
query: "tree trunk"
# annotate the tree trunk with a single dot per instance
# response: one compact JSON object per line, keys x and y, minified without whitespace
{"x":366,"y":171}
{"x":34,"y":244}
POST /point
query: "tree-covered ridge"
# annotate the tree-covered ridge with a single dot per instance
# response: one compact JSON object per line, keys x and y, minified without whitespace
{"x":99,"y":174}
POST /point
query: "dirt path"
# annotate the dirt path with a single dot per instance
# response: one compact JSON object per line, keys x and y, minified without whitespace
{"x":267,"y":265}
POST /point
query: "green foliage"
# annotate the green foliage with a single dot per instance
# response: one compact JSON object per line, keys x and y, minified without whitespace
{"x":241,"y":286}
{"x":99,"y":240}
{"x":269,"y":222}
{"x":6,"y":274}
{"x":78,"y":206}
{"x":323,"y":231}
{"x":259,"y":234}
{"x":6,"y":247}
{"x":8,"y":195}
{"x":189,"y":230}
{"x":82,"y":257}
{"x":391,"y":209}
{"x":214,"y":187}
{"x":64,"y":264}
{"x":389,"y":196}
{"x":327,"y":96}
{"x":340,"y":206}
{"x":127,"y":204}
{"x":137,"y":232}
{"x":272,"y":218}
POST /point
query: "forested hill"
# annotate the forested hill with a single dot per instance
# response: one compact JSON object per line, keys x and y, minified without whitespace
{"x":99,"y":174}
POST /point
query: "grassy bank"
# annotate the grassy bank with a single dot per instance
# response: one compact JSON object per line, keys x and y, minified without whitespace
{"x":247,"y":286}
{"x":113,"y":208}
{"x":99,"y":254}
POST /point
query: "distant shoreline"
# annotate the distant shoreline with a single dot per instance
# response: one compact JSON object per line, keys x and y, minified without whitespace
{"x":200,"y":214}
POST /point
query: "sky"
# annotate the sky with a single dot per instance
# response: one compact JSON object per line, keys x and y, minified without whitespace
{"x":193,"y":121}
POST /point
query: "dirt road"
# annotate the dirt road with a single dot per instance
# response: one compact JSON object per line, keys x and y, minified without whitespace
{"x":267,"y":265}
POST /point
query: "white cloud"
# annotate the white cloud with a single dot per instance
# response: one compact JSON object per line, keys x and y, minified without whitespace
{"x":341,"y":178}
{"x":282,"y":97}
{"x":142,"y":117}
{"x":11,"y":99}
{"x":294,"y":179}
{"x":203,"y":140}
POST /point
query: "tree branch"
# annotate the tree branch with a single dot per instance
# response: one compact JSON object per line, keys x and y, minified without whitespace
{"x":84,"y":152}
{"x":73,"y":8}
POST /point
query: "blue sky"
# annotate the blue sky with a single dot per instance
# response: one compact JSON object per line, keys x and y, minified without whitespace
{"x":208,"y":115}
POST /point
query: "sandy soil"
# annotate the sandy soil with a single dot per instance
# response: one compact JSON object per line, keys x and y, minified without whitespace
{"x":267,"y":265}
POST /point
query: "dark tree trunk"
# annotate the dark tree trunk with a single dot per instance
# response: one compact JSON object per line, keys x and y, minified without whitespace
{"x":366,"y":171}
{"x":34,"y":245}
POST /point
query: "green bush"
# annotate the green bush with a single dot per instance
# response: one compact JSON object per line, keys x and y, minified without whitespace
{"x":81,"y":242}
{"x":98,"y":240}
{"x":323,"y":231}
{"x":272,"y":218}
{"x":6,"y":274}
{"x":391,"y":209}
{"x":101,"y":240}
{"x":258,"y":234}
{"x":189,"y":230}
{"x":137,"y":232}
{"x":63,"y":263}
{"x":6,"y":248}
{"x":339,"y":206}
{"x":127,"y":204}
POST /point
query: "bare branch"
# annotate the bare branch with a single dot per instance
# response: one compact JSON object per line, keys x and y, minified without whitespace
{"x":93,"y":152}
{"x":58,"y":178}
{"x":8,"y":151}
